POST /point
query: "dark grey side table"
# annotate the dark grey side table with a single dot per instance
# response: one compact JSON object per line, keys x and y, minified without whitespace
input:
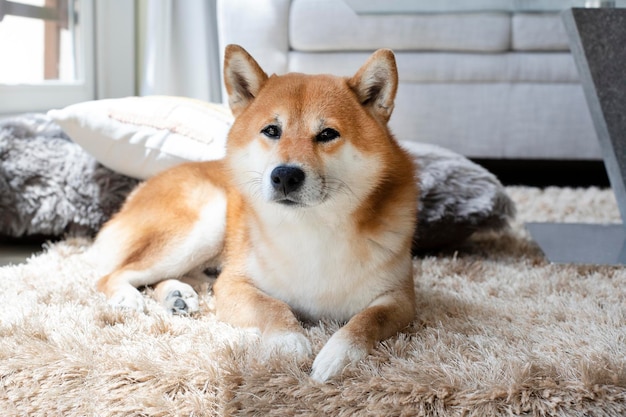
{"x":598,"y":44}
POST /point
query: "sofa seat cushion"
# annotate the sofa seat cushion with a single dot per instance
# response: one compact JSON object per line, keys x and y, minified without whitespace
{"x":498,"y":120}
{"x":432,"y":67}
{"x":539,"y":32}
{"x":324,"y":25}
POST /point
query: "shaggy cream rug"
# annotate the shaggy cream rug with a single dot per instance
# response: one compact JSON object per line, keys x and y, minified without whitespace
{"x":498,"y":331}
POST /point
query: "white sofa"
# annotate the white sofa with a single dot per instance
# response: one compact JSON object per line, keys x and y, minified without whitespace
{"x":485,"y":84}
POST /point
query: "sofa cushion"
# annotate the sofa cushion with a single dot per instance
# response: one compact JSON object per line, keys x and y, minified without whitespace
{"x":325,"y":25}
{"x":539,"y":32}
{"x":498,"y":120}
{"x":433,"y":67}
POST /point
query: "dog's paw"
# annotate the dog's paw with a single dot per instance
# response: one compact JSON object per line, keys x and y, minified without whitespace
{"x":289,"y":343}
{"x":180,"y":298}
{"x":128,"y":298}
{"x":336,"y":354}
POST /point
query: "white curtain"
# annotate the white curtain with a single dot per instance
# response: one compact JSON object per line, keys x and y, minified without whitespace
{"x":178,"y":49}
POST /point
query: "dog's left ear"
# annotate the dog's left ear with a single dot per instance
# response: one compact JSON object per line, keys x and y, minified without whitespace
{"x":243,"y":78}
{"x":376,"y":83}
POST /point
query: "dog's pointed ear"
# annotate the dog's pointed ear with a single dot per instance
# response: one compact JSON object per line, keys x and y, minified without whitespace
{"x":243,"y":78}
{"x":376,"y":83}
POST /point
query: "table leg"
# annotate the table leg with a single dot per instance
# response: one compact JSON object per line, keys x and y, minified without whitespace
{"x":598,"y":44}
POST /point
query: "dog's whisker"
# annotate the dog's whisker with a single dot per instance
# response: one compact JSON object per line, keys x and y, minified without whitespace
{"x":337,"y":186}
{"x":254,"y":184}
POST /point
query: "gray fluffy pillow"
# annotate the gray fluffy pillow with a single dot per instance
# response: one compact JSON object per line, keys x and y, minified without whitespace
{"x":458,"y":198}
{"x":49,"y":186}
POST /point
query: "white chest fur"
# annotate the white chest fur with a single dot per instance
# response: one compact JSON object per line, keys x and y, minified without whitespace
{"x":319,"y":264}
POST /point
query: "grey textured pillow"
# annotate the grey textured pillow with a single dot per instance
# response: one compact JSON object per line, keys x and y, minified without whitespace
{"x":458,"y":197}
{"x":50,"y":186}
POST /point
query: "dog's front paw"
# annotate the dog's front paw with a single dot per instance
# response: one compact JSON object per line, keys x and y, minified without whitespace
{"x":336,"y":354}
{"x":284,"y":342}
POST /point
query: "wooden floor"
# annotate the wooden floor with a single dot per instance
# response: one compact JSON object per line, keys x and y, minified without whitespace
{"x":11,"y":254}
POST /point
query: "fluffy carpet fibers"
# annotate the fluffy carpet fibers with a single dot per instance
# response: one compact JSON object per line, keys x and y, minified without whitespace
{"x":498,"y":331}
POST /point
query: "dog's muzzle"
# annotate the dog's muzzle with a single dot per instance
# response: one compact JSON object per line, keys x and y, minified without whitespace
{"x":293,"y":186}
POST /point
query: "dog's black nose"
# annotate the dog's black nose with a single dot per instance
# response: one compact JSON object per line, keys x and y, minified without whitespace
{"x":287,"y":179}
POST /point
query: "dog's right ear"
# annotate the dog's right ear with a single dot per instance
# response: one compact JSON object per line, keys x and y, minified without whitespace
{"x":243,"y":78}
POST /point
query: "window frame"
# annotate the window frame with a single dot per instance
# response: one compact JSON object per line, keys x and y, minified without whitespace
{"x":107,"y":70}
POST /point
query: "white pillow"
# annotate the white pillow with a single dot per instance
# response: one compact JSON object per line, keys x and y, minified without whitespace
{"x":141,"y":136}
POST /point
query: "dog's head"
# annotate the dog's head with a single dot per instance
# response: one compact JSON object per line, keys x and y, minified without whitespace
{"x":303,"y":140}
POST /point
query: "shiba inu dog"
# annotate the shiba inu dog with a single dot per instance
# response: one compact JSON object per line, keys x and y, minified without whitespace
{"x":310,"y":215}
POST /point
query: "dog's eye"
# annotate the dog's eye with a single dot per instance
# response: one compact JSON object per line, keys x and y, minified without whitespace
{"x":327,"y":135}
{"x":272,"y":131}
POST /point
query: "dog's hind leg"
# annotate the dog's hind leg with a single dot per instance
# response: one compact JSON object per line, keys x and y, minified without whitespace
{"x":177,"y":259}
{"x":128,"y":259}
{"x":120,"y":287}
{"x":162,"y":234}
{"x":166,"y":258}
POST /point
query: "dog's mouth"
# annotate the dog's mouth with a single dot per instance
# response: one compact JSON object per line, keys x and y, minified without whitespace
{"x":299,"y":201}
{"x":288,"y":202}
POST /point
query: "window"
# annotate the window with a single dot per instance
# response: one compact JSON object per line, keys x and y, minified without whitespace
{"x":37,"y":35}
{"x":46,"y":59}
{"x":57,"y":52}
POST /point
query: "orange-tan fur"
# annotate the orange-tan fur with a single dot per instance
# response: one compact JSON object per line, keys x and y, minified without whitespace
{"x":310,"y":215}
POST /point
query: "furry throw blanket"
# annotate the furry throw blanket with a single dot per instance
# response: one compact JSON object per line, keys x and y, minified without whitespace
{"x":49,"y":186}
